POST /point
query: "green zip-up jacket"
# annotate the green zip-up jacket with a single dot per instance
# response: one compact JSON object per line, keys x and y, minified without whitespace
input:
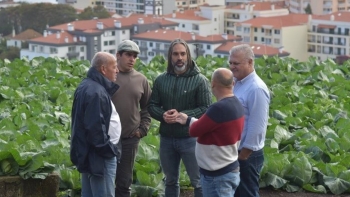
{"x":188,"y":93}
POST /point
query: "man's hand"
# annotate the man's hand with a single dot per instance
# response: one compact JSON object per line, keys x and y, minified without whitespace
{"x":137,"y":133}
{"x":170,"y":116}
{"x":181,"y":118}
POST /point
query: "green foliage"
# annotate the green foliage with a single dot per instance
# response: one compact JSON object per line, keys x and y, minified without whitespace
{"x":11,"y":53}
{"x":308,"y":9}
{"x":307,"y":139}
{"x":90,"y":12}
{"x":34,"y":16}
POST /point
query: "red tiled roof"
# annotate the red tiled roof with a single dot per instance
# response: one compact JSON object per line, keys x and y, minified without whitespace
{"x":109,"y":22}
{"x":170,"y":35}
{"x":277,"y":22}
{"x":258,"y":49}
{"x":52,"y":38}
{"x":338,"y":16}
{"x":25,"y":35}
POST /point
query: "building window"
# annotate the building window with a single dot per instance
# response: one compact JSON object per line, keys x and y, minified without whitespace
{"x":41,"y":49}
{"x":277,"y":31}
{"x":111,"y":42}
{"x":82,"y":49}
{"x":246,"y":30}
{"x":215,"y":19}
{"x":208,"y":47}
{"x":105,"y":43}
{"x":255,"y":38}
{"x":113,"y":33}
{"x":183,"y":25}
{"x":262,"y":30}
{"x":276,"y":41}
{"x":151,"y":44}
{"x":246,"y":39}
{"x":151,"y":53}
{"x":82,"y":58}
{"x":239,"y":28}
{"x":255,"y":29}
{"x":53,"y":50}
{"x":219,"y":56}
{"x":262,"y":39}
{"x":112,"y":51}
{"x":123,"y":32}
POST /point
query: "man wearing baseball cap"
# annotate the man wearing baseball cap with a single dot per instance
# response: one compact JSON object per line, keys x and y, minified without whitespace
{"x":131,"y":103}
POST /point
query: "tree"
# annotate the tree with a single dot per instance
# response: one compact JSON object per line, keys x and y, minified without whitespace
{"x":308,"y":9}
{"x":11,"y":53}
{"x":97,"y":11}
{"x":35,"y":16}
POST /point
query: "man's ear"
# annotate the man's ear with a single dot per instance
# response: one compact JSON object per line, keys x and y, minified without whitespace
{"x":103,"y":69}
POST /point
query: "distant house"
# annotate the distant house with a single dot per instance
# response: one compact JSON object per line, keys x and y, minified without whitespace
{"x":21,"y":38}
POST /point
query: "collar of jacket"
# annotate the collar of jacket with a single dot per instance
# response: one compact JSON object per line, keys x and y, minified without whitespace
{"x":194,"y":70}
{"x":96,"y":76}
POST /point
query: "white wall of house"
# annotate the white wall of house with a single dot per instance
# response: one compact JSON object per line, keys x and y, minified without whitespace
{"x":37,"y":50}
{"x":294,"y":40}
{"x":14,"y":43}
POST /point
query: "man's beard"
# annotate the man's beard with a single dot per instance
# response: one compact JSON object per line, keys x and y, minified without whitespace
{"x":182,"y":68}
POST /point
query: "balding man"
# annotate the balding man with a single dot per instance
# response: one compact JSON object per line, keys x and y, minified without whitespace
{"x":96,"y":128}
{"x":219,"y":132}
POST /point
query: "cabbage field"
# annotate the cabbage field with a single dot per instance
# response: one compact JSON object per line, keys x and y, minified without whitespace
{"x":308,"y":136}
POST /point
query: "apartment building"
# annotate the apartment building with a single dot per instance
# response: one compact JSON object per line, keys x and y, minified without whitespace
{"x":157,"y":42}
{"x":79,"y":4}
{"x":95,"y":35}
{"x":238,"y":2}
{"x":206,"y":20}
{"x":318,"y":7}
{"x":243,"y":12}
{"x":285,"y":32}
{"x":328,"y":35}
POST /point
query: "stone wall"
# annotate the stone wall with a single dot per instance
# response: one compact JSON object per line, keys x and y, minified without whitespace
{"x":15,"y":186}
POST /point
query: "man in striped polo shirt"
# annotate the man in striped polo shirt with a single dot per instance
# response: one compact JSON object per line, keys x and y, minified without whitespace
{"x":219,"y":132}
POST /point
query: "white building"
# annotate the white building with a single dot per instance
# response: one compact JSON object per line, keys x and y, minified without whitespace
{"x":206,"y":20}
{"x":328,"y":35}
{"x":95,"y":35}
{"x":243,"y":12}
{"x":287,"y":32}
{"x":20,"y":39}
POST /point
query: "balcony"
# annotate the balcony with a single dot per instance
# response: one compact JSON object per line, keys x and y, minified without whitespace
{"x":311,"y":50}
{"x":143,"y":47}
{"x":72,"y":54}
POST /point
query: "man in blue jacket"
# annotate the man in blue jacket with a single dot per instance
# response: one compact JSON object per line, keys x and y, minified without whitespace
{"x":96,"y":128}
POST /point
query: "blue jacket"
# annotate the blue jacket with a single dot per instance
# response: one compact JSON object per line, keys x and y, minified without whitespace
{"x":91,"y":113}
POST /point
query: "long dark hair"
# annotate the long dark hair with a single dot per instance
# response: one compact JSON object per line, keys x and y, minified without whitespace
{"x":170,"y":67}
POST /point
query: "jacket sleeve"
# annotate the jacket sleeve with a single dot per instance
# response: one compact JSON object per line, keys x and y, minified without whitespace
{"x":144,"y":114}
{"x":154,"y":108}
{"x":96,"y":126}
{"x":203,"y":99}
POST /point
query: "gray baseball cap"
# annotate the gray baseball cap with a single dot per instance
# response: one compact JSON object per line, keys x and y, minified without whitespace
{"x":128,"y":45}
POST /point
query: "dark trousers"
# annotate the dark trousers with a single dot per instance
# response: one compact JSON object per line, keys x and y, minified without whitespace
{"x":125,"y":167}
{"x":250,"y":173}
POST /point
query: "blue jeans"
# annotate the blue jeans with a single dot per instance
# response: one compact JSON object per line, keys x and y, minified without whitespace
{"x":172,"y":150}
{"x":220,"y":186}
{"x":250,"y":174}
{"x":100,"y":186}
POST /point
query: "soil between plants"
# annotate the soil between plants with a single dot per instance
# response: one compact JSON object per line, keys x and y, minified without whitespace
{"x":276,"y":193}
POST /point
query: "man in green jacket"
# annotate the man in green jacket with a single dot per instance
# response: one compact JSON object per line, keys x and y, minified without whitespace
{"x":181,"y":89}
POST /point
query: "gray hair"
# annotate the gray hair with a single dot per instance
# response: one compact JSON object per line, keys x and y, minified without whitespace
{"x":101,"y":58}
{"x":243,"y":48}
